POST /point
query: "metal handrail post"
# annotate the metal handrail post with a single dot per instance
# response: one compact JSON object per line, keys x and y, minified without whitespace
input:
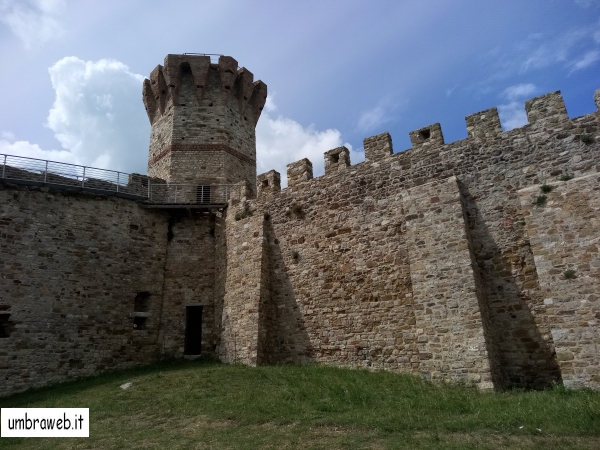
{"x":46,"y":172}
{"x":149,"y":188}
{"x":83,"y":178}
{"x":118,"y":179}
{"x":4,"y":168}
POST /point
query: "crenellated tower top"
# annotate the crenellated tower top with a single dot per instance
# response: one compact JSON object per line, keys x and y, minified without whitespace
{"x":203,"y":118}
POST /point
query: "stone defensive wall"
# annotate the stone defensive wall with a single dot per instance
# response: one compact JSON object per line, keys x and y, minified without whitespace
{"x":448,"y":261}
{"x":95,"y":282}
{"x":433,"y":260}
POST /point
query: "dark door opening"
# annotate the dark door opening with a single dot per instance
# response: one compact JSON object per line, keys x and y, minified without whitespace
{"x":193,"y":330}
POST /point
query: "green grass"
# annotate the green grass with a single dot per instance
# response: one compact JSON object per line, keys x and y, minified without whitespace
{"x":204,"y":404}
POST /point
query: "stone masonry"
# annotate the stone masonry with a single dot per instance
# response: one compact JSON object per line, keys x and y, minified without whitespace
{"x":474,"y":261}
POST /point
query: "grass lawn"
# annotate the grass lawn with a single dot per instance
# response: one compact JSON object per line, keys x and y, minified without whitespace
{"x":207,"y":405}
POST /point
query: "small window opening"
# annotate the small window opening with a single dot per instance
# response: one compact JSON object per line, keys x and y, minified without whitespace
{"x":210,"y":104}
{"x":6,"y":326}
{"x":335,"y":158}
{"x":265,"y":183}
{"x":141,"y":302}
{"x":139,"y":323}
{"x":425,"y":134}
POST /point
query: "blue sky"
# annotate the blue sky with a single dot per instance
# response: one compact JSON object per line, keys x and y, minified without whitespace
{"x":337,"y":71}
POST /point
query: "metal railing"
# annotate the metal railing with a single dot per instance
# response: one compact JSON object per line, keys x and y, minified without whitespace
{"x":40,"y":172}
{"x":192,"y":194}
{"x":52,"y":173}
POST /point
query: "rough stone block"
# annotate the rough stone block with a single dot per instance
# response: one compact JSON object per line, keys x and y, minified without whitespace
{"x":549,"y":108}
{"x":299,"y":171}
{"x":268,"y":182}
{"x":427,"y":137}
{"x":337,"y":159}
{"x":378,"y":147}
{"x":484,"y":124}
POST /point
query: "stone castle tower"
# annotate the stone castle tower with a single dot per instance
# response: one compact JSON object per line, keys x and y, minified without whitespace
{"x":203,"y":117}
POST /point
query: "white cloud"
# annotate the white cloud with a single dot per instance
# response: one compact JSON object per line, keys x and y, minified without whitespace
{"x":451,"y":90}
{"x":568,"y":49}
{"x":98,"y":114}
{"x":281,"y":141}
{"x":97,"y":117}
{"x":518,"y":91}
{"x":371,"y":119}
{"x":587,"y":60}
{"x":512,"y":113}
{"x":33,"y":21}
{"x":11,"y":146}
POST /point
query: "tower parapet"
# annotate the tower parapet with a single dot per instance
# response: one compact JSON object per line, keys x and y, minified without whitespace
{"x":203,"y":118}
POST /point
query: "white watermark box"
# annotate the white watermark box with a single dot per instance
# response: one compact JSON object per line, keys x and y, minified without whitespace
{"x":45,"y":422}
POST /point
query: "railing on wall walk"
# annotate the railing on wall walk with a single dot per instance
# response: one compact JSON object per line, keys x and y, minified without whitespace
{"x":192,"y":194}
{"x":40,"y":172}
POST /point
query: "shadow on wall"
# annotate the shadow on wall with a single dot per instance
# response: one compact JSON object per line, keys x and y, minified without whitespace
{"x":286,"y":330}
{"x":526,"y":359}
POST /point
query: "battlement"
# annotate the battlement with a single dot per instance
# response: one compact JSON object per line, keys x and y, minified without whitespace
{"x":236,"y":87}
{"x":337,"y":160}
{"x":427,"y":142}
{"x":484,"y":124}
{"x":268,"y":182}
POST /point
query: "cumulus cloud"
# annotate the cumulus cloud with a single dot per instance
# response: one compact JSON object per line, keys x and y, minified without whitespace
{"x":512,"y":112}
{"x":98,"y":115}
{"x":11,"y":146}
{"x":35,"y":22}
{"x":281,"y":141}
